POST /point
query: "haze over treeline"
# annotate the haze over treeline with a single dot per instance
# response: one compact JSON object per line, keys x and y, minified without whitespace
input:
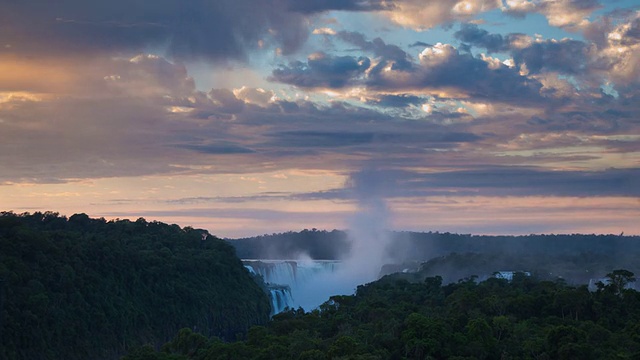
{"x":575,"y":257}
{"x":406,"y":245}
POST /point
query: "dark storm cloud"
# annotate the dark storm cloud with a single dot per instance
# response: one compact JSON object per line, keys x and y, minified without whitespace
{"x":401,"y":60}
{"x":565,"y":56}
{"x":347,"y":5}
{"x":444,"y":68}
{"x":631,"y":35}
{"x":322,"y":70}
{"x":447,"y":68}
{"x":472,"y":34}
{"x":420,"y":44}
{"x":209,"y":29}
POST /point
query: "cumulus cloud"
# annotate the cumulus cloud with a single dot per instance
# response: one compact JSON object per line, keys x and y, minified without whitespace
{"x":422,"y":15}
{"x":442,"y":68}
{"x":621,"y":51}
{"x":609,"y":58}
{"x":255,"y":96}
{"x":322,"y":71}
{"x":471,"y":33}
{"x":387,"y":53}
{"x":224,"y":101}
{"x":565,"y":56}
{"x":572,"y":15}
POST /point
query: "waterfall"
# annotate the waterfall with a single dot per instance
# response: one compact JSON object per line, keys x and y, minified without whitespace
{"x":280,"y":298}
{"x":288,"y":279}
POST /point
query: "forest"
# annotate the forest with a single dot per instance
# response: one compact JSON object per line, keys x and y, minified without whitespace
{"x":82,"y":288}
{"x":393,"y":318}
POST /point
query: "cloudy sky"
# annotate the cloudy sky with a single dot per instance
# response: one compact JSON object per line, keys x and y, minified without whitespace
{"x":247,"y":117}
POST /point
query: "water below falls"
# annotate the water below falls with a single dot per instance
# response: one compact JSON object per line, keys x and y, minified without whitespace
{"x":297,"y":283}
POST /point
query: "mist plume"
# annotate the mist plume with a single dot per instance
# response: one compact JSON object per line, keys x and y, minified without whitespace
{"x":369,"y":237}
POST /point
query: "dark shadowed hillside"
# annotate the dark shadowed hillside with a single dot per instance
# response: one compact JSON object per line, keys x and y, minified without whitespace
{"x":316,"y":244}
{"x":82,"y":288}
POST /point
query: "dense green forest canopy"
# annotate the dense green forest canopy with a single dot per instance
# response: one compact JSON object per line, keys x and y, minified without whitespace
{"x":397,"y":319}
{"x":82,"y":288}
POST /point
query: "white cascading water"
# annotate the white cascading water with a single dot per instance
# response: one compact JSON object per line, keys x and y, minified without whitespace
{"x":288,"y":279}
{"x":280,"y":298}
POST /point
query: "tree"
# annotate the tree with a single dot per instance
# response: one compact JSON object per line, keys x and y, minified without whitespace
{"x":619,"y":280}
{"x":185,"y":343}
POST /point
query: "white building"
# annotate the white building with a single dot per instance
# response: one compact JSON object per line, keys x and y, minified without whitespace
{"x":508,"y":275}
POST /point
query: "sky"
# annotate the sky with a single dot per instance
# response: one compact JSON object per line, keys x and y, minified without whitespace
{"x":248,"y":117}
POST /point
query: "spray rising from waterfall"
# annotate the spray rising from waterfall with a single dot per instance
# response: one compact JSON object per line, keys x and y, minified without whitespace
{"x":369,"y":236}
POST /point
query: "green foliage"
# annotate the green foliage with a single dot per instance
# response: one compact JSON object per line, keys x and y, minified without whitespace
{"x":495,"y":319}
{"x":619,"y":279}
{"x":82,"y":288}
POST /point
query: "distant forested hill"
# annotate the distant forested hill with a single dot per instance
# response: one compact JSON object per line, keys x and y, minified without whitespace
{"x":82,"y":288}
{"x":317,"y":244}
{"x":422,"y":246}
{"x":576,"y":269}
{"x":576,"y":258}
